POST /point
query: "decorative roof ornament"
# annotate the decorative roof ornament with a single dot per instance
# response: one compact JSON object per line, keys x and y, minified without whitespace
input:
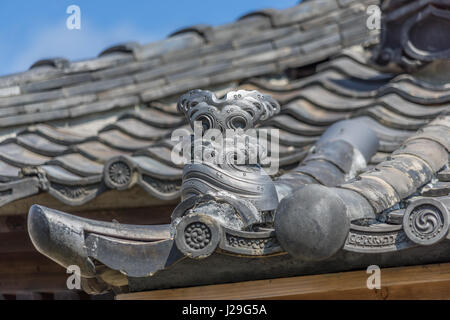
{"x":413,"y":34}
{"x":228,"y":188}
{"x":235,"y":208}
{"x":240,"y":109}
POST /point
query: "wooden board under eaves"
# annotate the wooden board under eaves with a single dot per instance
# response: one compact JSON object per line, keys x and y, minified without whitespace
{"x":415,"y":282}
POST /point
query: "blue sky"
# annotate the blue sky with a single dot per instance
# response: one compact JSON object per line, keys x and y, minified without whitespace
{"x":36,"y":29}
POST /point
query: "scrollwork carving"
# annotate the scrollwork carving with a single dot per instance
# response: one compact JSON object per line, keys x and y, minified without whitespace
{"x":229,"y":163}
{"x":426,"y":221}
{"x":253,"y":244}
{"x":376,"y":238}
{"x":250,"y":243}
{"x":161,"y":185}
{"x":71,"y":192}
{"x":237,"y":110}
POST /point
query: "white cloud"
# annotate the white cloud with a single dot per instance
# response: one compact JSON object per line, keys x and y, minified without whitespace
{"x":58,"y":41}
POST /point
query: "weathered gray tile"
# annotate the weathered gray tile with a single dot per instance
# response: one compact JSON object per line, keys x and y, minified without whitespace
{"x":8,"y":172}
{"x":354,"y":69}
{"x":305,"y":59}
{"x":168,"y":69}
{"x":31,"y":98}
{"x":55,"y":83}
{"x":266,"y":57}
{"x":176,"y":43}
{"x":97,"y":151}
{"x":266,"y":14}
{"x":162,"y":154}
{"x":335,"y":16}
{"x":292,"y":125}
{"x":243,"y":72}
{"x":56,"y":63}
{"x":10,"y":91}
{"x":156,"y":168}
{"x":40,"y":144}
{"x":203,"y":30}
{"x":139,"y":129}
{"x":322,"y":43}
{"x":76,"y":163}
{"x":303,"y":37}
{"x":63,"y":136}
{"x":99,"y":63}
{"x":97,"y":86}
{"x":200,"y":51}
{"x":122,"y":141}
{"x":304,"y":11}
{"x":47,"y":105}
{"x":156,"y":118}
{"x":201,"y":71}
{"x":19,"y":189}
{"x":33,"y":118}
{"x":241,"y":27}
{"x":19,"y":156}
{"x":29,"y":76}
{"x":57,"y":173}
{"x":104,"y":105}
{"x":127,"y":47}
{"x":238,"y":53}
{"x":43,"y":111}
{"x":126,"y":69}
{"x":131,"y":89}
{"x":174,"y":88}
{"x":264,"y":36}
